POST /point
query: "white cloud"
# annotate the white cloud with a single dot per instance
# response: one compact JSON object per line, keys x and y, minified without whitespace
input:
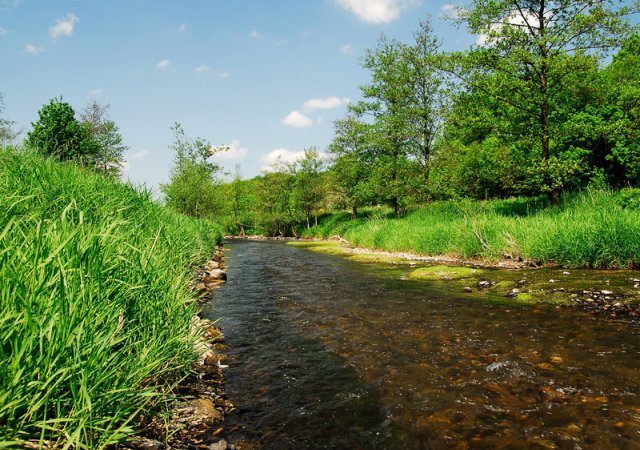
{"x":450,"y":10}
{"x":255,"y":35}
{"x":223,"y":74}
{"x":231,"y":151}
{"x":164,"y":64}
{"x":33,"y":49}
{"x":141,"y":154}
{"x":515,"y":19}
{"x":297,"y":120}
{"x":96,"y":92}
{"x":3,"y":31}
{"x":305,"y":34}
{"x":280,"y":155}
{"x":64,"y":26}
{"x":8,"y":5}
{"x":202,"y":68}
{"x":182,"y":28}
{"x":325,"y":103}
{"x":377,"y":11}
{"x":346,"y":49}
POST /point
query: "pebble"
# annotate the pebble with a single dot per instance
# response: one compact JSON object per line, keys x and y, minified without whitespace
{"x":484,"y":284}
{"x":467,"y":289}
{"x":566,"y":273}
{"x":220,"y":445}
{"x":607,"y":292}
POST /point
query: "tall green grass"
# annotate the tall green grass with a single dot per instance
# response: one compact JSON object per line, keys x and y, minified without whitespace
{"x":95,"y":307}
{"x":589,"y":229}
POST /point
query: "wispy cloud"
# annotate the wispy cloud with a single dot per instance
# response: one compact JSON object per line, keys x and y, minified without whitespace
{"x":280,"y":155}
{"x":8,"y":5}
{"x":97,"y":91}
{"x":449,"y":10}
{"x":140,"y":154}
{"x":3,"y":31}
{"x":182,"y":28}
{"x":377,"y":11}
{"x":297,"y":120}
{"x":346,"y":49}
{"x":255,"y":35}
{"x":331,"y":102}
{"x":63,"y":26}
{"x":33,"y":49}
{"x":164,"y":64}
{"x":202,"y":68}
{"x":223,"y":74}
{"x":275,"y":157}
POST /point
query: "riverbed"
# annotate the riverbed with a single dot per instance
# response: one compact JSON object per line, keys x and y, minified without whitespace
{"x":329,"y":353}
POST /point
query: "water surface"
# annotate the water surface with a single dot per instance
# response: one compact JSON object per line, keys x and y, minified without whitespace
{"x":329,"y":353}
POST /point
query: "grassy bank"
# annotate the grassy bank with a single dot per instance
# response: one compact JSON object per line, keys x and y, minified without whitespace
{"x":95,"y":307}
{"x":589,"y":229}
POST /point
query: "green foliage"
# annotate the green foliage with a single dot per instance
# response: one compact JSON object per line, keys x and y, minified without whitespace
{"x":109,"y":157}
{"x":95,"y":307}
{"x":536,"y":60}
{"x":192,"y":188}
{"x":7,"y":135}
{"x":58,"y":134}
{"x":590,"y":229}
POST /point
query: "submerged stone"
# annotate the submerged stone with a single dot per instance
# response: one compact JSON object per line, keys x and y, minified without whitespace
{"x":443,"y":273}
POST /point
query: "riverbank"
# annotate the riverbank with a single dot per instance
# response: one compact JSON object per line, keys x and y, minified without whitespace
{"x":96,"y":307}
{"x":591,"y":229}
{"x":607,"y":293}
{"x":195,"y":411}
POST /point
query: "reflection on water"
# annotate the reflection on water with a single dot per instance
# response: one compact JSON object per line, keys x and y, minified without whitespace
{"x":328,"y":353}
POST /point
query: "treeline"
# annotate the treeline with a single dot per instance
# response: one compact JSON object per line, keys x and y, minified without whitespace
{"x":546,"y":101}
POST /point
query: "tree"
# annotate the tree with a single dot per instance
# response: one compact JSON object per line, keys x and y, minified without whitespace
{"x":308,"y":189}
{"x":351,"y":168}
{"x":109,"y":157}
{"x":275,"y":211}
{"x":192,"y":187}
{"x":428,"y":99}
{"x":531,"y":50}
{"x":58,"y":134}
{"x":7,"y":134}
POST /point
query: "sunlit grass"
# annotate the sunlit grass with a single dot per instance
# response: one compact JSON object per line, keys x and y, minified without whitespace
{"x":95,"y":307}
{"x":590,"y":229}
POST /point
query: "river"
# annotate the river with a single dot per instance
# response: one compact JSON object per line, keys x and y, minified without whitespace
{"x":329,"y":353}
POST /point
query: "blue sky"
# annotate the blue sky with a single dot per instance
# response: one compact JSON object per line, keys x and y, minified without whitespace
{"x":265,"y":77}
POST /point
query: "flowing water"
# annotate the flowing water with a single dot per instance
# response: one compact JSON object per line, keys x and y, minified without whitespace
{"x":329,"y":353}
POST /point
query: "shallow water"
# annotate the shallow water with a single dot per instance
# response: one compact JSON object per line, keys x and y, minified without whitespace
{"x":329,"y":353}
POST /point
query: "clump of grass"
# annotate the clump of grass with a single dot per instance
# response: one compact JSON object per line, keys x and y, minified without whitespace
{"x":95,"y":307}
{"x":589,"y":229}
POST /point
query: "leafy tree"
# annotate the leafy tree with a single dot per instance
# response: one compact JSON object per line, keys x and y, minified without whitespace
{"x":428,"y":98}
{"x":109,"y":157}
{"x":275,"y":210}
{"x":7,"y":134}
{"x":57,"y":133}
{"x":351,"y":166}
{"x":239,"y":202}
{"x":531,"y":52}
{"x":308,"y":189}
{"x":383,"y":120}
{"x":192,"y":188}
